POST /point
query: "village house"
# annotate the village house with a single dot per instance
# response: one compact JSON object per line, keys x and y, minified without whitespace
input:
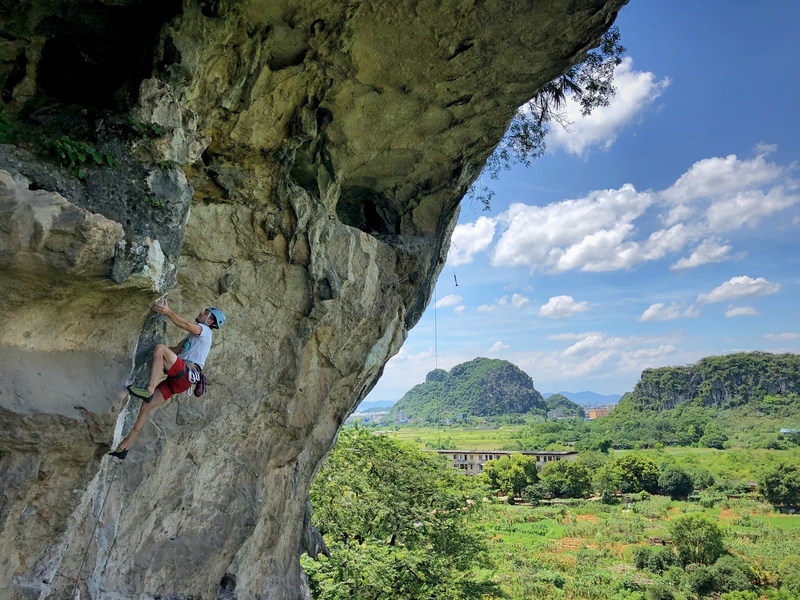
{"x":472,"y":461}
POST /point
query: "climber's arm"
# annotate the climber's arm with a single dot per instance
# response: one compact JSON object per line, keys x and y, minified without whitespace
{"x":178,"y":320}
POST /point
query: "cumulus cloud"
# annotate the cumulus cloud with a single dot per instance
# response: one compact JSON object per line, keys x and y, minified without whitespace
{"x":636,"y":90}
{"x":589,"y":233}
{"x":613,"y":229}
{"x":518,"y":301}
{"x":782,"y":336}
{"x":661,"y":312}
{"x":741,"y":311}
{"x":709,"y":251}
{"x":470,"y":239}
{"x":449,"y":300}
{"x":497,"y":346}
{"x":738,"y":288}
{"x":747,"y":208}
{"x":561,"y":307}
{"x":715,"y":177}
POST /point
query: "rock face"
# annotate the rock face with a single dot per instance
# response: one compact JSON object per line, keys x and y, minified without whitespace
{"x":298,"y":165}
{"x":730,"y":380}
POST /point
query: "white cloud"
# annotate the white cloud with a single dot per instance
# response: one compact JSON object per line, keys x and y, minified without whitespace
{"x":613,"y":229}
{"x":449,"y":300}
{"x":782,"y":336}
{"x":661,"y":312}
{"x":560,"y":307}
{"x":497,"y":346}
{"x":573,"y":336}
{"x":470,"y":239}
{"x":589,"y":233}
{"x":738,"y":288}
{"x":747,"y":208}
{"x":518,"y":301}
{"x":459,"y":309}
{"x":710,"y":251}
{"x":718,"y":177}
{"x":741,"y":311}
{"x":635,"y":91}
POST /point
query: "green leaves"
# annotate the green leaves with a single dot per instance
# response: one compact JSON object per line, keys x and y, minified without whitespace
{"x":76,"y":156}
{"x":781,"y":485}
{"x":697,"y":539}
{"x":396,"y":520}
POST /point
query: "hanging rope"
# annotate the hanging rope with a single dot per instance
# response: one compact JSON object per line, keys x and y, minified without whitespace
{"x":76,"y":580}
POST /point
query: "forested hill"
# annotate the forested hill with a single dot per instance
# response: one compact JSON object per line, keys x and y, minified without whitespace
{"x":740,"y":400}
{"x":480,"y":387}
{"x":723,"y":381}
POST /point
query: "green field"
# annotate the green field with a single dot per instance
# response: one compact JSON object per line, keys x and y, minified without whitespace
{"x":458,"y":438}
{"x":735,"y":463}
{"x":584,"y":549}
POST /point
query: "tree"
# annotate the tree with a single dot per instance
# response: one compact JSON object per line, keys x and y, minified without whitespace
{"x":781,"y":485}
{"x":696,"y":539}
{"x":396,"y":521}
{"x":590,"y":83}
{"x":713,"y":437}
{"x":565,"y":479}
{"x":676,"y":483}
{"x":637,"y":473}
{"x":607,"y":481}
{"x":511,"y":474}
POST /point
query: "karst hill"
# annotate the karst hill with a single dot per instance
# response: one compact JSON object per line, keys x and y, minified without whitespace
{"x":297,"y":164}
{"x":743,"y":399}
{"x":481,"y":387}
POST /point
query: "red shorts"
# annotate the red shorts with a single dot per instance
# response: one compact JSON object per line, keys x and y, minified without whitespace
{"x":173,"y":384}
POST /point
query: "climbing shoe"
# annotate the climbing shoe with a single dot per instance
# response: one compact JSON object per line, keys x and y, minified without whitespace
{"x":142,"y":393}
{"x":119,"y":453}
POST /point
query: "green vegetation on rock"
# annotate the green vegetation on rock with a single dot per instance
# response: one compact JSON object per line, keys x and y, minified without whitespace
{"x":481,"y":387}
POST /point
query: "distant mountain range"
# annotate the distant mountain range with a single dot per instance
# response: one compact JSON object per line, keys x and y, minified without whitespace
{"x":587,"y":398}
{"x":375,"y":405}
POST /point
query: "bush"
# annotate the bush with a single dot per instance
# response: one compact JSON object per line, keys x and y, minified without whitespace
{"x":675,"y":483}
{"x":711,"y":499}
{"x":732,"y":573}
{"x":701,"y":580}
{"x":728,"y":574}
{"x":554,"y":578}
{"x":697,"y":539}
{"x":658,"y":592}
{"x":641,"y":556}
{"x":789,"y":573}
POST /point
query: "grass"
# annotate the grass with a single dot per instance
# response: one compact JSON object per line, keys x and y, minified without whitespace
{"x":584,"y":550}
{"x":458,"y":438}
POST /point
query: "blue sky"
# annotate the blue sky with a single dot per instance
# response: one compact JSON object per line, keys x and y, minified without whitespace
{"x":661,"y":229}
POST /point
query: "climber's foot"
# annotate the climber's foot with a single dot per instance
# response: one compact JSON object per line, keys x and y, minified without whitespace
{"x":119,"y":453}
{"x":142,"y":393}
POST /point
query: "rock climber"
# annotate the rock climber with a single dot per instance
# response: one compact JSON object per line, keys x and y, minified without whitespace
{"x":178,"y":363}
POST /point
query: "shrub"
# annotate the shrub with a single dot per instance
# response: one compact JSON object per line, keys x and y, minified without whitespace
{"x":675,"y":483}
{"x":641,"y":556}
{"x":701,"y":580}
{"x":554,"y":578}
{"x":731,"y":574}
{"x":789,"y":573}
{"x":659,"y":592}
{"x":697,"y":539}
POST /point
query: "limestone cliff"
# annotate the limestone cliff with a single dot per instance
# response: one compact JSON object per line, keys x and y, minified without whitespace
{"x":298,"y":164}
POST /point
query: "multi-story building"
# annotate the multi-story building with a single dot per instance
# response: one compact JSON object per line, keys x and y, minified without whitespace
{"x":472,"y":461}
